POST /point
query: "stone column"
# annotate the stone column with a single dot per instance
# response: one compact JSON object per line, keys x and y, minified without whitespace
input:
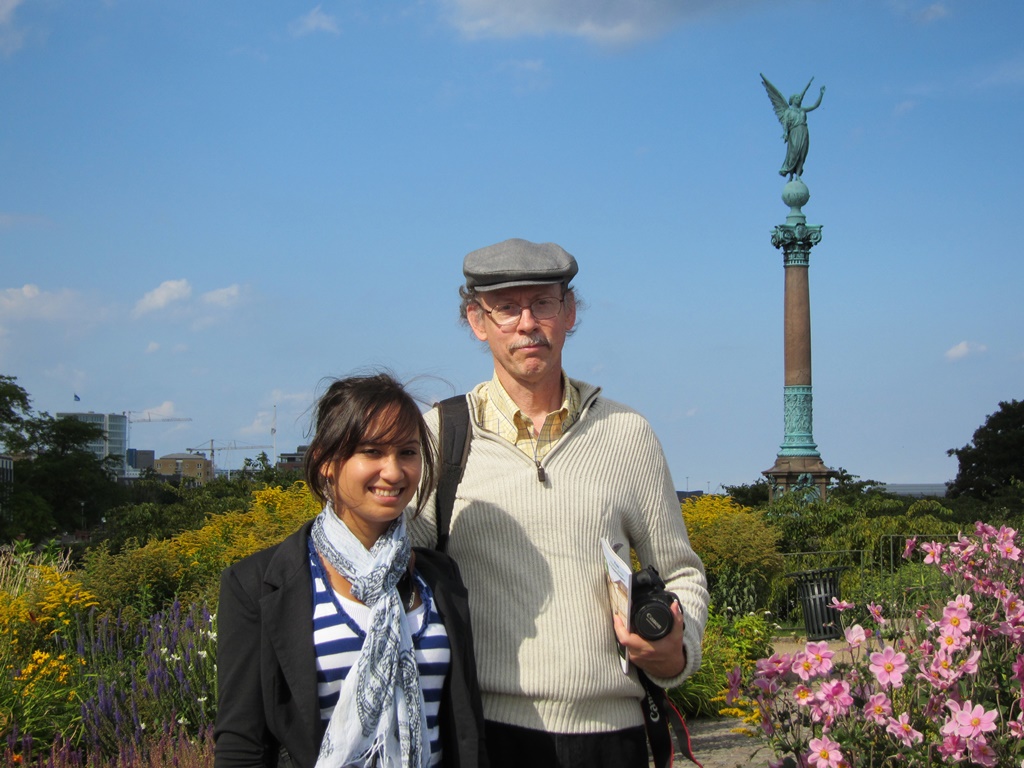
{"x":798,"y":463}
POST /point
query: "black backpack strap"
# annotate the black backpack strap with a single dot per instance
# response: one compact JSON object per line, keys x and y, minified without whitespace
{"x":659,"y":714}
{"x":454,"y":435}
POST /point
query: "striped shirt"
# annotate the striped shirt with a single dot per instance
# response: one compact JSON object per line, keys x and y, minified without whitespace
{"x":338,"y":634}
{"x":498,"y":413}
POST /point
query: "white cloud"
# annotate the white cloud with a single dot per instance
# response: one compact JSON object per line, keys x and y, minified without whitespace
{"x":1006,"y":73}
{"x":261,"y":425}
{"x":31,"y":303}
{"x":7,"y":10}
{"x":933,"y":12}
{"x":166,"y":293}
{"x":163,"y":411}
{"x":223,"y":297}
{"x":527,"y":74}
{"x":314,"y":21}
{"x":11,"y":39}
{"x":13,"y":220}
{"x":904,"y":107}
{"x":963,"y":349}
{"x":152,"y":347}
{"x":303,"y":399}
{"x":601,"y":21}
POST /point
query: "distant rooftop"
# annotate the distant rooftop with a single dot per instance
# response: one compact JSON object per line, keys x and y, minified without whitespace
{"x":919,"y":490}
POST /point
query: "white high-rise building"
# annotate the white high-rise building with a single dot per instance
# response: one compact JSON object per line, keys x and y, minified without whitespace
{"x":114,"y":441}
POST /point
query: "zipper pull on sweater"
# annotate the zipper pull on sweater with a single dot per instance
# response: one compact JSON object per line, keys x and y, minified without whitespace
{"x":541,"y":475}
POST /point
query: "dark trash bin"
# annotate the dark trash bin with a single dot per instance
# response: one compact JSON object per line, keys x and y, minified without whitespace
{"x":816,"y":589}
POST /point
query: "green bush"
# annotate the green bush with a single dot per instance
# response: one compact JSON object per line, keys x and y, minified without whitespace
{"x":738,"y":548}
{"x":728,"y":643}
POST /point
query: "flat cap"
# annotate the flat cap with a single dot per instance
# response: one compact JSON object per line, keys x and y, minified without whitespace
{"x":518,"y":262}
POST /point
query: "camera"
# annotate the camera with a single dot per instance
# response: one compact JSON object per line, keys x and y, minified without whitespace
{"x":651,"y":616}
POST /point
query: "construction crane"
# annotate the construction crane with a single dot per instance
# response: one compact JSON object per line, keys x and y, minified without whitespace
{"x":232,"y":446}
{"x":132,"y":417}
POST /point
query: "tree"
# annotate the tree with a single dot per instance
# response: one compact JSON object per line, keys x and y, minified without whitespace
{"x":15,"y":408}
{"x":994,"y":458}
{"x":59,"y":485}
{"x":78,"y":487}
{"x":754,"y":495}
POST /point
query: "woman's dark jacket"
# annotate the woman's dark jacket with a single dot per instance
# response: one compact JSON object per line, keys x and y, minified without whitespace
{"x":267,"y":706}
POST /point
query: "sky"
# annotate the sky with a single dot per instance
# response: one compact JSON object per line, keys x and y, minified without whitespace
{"x":208,"y":208}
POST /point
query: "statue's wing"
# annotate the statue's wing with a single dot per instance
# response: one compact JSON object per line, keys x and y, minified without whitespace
{"x":779,"y":103}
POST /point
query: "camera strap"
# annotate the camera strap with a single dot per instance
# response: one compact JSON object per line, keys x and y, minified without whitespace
{"x":661,"y":718}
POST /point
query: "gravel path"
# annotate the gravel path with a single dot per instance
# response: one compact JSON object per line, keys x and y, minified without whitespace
{"x":716,"y":746}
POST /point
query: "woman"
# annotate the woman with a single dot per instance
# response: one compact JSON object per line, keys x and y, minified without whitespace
{"x":338,"y":646}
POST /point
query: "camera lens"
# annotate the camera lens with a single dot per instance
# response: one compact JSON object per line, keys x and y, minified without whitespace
{"x":653,"y":619}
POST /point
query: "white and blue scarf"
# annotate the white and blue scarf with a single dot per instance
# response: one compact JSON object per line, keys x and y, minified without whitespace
{"x":379,"y":719}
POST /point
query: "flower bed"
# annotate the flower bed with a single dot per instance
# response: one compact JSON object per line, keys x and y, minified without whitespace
{"x":942,"y":687}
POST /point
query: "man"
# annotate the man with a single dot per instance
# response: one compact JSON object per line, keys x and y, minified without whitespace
{"x":554,"y":468}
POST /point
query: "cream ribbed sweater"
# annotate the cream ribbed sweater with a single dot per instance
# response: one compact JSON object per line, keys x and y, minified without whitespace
{"x":530,"y":555}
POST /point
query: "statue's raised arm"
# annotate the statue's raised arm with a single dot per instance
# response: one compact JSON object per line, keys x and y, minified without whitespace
{"x":793,"y":116}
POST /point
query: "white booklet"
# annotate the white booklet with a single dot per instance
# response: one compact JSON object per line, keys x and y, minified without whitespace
{"x":620,"y":583}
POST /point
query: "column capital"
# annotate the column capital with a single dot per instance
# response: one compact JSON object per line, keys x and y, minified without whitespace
{"x":796,"y":241}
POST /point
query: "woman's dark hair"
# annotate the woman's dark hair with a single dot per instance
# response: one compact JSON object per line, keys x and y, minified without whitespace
{"x":344,"y":416}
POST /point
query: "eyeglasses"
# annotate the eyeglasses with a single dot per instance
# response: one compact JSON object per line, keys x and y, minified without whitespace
{"x":509,"y":314}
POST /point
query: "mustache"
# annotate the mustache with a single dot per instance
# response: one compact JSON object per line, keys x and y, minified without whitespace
{"x":532,"y":340}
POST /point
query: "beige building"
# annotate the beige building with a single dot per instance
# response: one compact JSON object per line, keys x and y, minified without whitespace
{"x":191,"y":467}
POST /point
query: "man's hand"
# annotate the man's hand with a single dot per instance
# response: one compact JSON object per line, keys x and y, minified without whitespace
{"x":661,"y":658}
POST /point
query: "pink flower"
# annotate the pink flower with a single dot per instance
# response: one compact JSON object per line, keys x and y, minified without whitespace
{"x":855,"y":636}
{"x":962,"y":601}
{"x":768,"y":686}
{"x":774,"y":666}
{"x":972,"y":722}
{"x":982,"y":754}
{"x":969,"y":666}
{"x":934,"y":552}
{"x":957,"y":618}
{"x":1018,"y":669}
{"x":824,"y":753}
{"x":908,"y":550}
{"x":1012,"y":606}
{"x":733,"y":678}
{"x":1004,"y":542}
{"x":822,"y":656}
{"x":1009,"y":551}
{"x":876,"y":614}
{"x":904,"y":731}
{"x":951,"y":639}
{"x":878,"y":708}
{"x":841,"y":605}
{"x":951,"y":727}
{"x":942,"y":673}
{"x":834,"y":696}
{"x":803,"y":695}
{"x":803,"y":666}
{"x":888,"y":667}
{"x":1016,"y":727}
{"x":952,"y":748}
